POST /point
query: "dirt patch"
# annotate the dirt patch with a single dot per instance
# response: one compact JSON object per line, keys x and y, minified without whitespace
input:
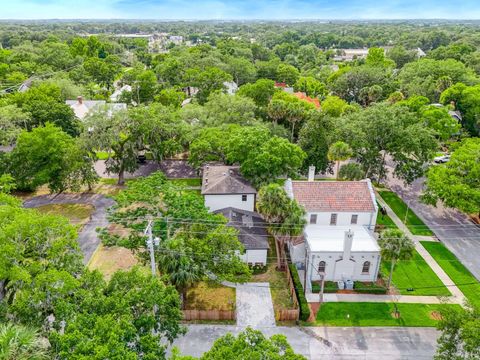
{"x":435,"y":315}
{"x":210,"y":296}
{"x":395,"y":315}
{"x":107,"y":260}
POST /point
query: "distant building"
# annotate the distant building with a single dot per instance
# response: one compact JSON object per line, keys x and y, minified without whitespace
{"x":252,"y":233}
{"x":82,"y":108}
{"x":284,"y":87}
{"x":118,"y":92}
{"x":304,"y":97}
{"x":350,"y":54}
{"x":231,"y":87}
{"x":223,"y":186}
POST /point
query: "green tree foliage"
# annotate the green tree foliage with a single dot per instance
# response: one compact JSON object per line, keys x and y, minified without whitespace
{"x":207,"y":81}
{"x":276,"y":157}
{"x":310,"y":86}
{"x":458,"y":339}
{"x":314,"y":139}
{"x":457,"y":183}
{"x":18,"y":342}
{"x":396,"y":132}
{"x":287,"y":74}
{"x":229,"y":109}
{"x":351,"y":171}
{"x":102,"y":70}
{"x":12,"y":121}
{"x":170,"y":97}
{"x":421,"y":77}
{"x":210,"y":144}
{"x":441,"y":122}
{"x":260,"y":91}
{"x":339,"y":151}
{"x":334,"y":106}
{"x":395,"y":246}
{"x":48,"y":156}
{"x":467,"y":100}
{"x":401,"y":56}
{"x":376,"y":57}
{"x":250,"y":344}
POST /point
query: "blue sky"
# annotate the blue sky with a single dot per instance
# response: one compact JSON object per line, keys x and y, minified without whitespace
{"x":239,"y":9}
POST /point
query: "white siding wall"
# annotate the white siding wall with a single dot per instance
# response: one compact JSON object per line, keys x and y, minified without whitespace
{"x":345,"y":218}
{"x":344,"y":269}
{"x":255,"y":256}
{"x":216,"y":202}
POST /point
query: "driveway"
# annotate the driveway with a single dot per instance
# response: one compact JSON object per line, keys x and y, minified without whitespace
{"x":451,"y":227}
{"x":254,"y":305}
{"x":88,"y":237}
{"x":314,"y":343}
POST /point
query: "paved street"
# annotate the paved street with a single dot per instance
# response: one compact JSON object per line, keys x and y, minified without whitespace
{"x":88,"y":237}
{"x":453,"y":228}
{"x":329,"y":342}
{"x":254,"y":305}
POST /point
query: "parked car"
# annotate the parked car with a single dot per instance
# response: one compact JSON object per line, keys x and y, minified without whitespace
{"x":442,"y":159}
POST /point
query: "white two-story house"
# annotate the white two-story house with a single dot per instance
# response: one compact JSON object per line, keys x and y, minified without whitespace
{"x":223,"y":186}
{"x":338,"y":241}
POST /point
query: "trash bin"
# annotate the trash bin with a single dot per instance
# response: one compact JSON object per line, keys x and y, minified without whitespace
{"x":349,"y":285}
{"x":341,"y":285}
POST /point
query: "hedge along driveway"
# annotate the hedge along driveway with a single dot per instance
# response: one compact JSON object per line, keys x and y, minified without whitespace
{"x":459,"y":274}
{"x":413,"y":222}
{"x":417,"y":275}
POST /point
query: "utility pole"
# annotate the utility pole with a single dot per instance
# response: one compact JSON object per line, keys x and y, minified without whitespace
{"x":305,"y":273}
{"x":150,"y":245}
{"x":406,"y":212}
{"x":322,"y":286}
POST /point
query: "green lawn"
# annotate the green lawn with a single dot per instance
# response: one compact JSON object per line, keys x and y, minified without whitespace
{"x":384,"y":221}
{"x":187,"y":182}
{"x":415,"y":274}
{"x":415,"y":225}
{"x":459,"y":274}
{"x":377,"y":314}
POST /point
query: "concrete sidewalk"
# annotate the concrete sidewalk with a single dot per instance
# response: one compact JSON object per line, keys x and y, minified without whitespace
{"x":405,"y":299}
{"x":457,"y":295}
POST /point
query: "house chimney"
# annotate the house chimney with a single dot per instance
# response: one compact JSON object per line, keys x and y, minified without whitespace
{"x":80,"y":99}
{"x":288,"y":186}
{"x":347,"y":244}
{"x":311,"y":173}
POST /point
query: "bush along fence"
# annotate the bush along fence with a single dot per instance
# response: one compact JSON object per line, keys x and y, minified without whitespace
{"x":189,"y":315}
{"x":289,"y":314}
{"x":292,"y":274}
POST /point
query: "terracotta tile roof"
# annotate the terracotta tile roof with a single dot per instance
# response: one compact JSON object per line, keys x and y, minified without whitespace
{"x":222,"y":179}
{"x":302,"y":96}
{"x":327,"y":196}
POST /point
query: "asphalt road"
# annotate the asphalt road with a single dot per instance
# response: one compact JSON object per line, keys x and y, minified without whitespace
{"x":87,"y":238}
{"x":452,"y":227}
{"x":375,"y":343}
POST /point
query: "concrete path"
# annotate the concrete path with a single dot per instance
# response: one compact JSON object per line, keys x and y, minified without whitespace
{"x":350,"y":343}
{"x":405,"y":299}
{"x":254,"y":305}
{"x":457,"y":295}
{"x":88,"y":237}
{"x":451,"y":227}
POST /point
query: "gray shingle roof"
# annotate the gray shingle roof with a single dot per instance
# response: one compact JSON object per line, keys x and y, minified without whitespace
{"x":222,"y":179}
{"x":252,"y":229}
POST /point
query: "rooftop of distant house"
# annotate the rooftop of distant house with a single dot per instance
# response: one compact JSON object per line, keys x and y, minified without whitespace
{"x":251,"y":227}
{"x":303,"y":96}
{"x":82,"y":107}
{"x":333,"y":196}
{"x":223,"y":179}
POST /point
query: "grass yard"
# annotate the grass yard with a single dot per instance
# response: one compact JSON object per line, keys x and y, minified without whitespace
{"x":187,"y":182}
{"x":413,"y":222}
{"x":384,"y":221}
{"x":78,"y":214}
{"x":208,"y":295}
{"x":415,"y":274}
{"x":278,"y":281}
{"x":107,"y":260}
{"x":378,"y":314}
{"x":459,"y":274}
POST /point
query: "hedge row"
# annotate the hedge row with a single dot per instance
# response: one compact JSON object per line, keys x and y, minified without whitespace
{"x":368,"y":288}
{"x":330,"y":287}
{"x":304,"y":308}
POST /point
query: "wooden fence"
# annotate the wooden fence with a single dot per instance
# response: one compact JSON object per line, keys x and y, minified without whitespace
{"x":208,"y":315}
{"x":290,"y":314}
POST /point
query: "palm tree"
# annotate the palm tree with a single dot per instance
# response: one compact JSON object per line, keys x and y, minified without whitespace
{"x":285,"y":216}
{"x":182,"y":270}
{"x":277,"y":110}
{"x":395,"y":245}
{"x":18,"y":342}
{"x":339,"y":151}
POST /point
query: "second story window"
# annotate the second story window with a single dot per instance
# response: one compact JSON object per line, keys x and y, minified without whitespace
{"x":244,"y":197}
{"x":313,"y":218}
{"x":321,"y":266}
{"x":354,"y":220}
{"x":333,"y":219}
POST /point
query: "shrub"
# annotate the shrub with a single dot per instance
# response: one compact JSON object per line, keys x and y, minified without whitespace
{"x":304,"y":308}
{"x":368,"y":288}
{"x":258,"y":269}
{"x":329,"y":287}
